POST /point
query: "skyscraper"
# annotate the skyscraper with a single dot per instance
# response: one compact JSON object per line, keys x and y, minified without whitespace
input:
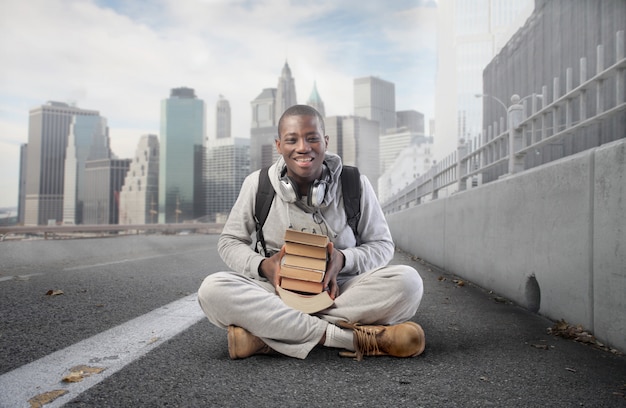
{"x":103,"y":181}
{"x":180,"y":157}
{"x":222,"y":119}
{"x":412,"y":161}
{"x":375,"y":99}
{"x":553,"y":52}
{"x":469,"y":34}
{"x":285,"y":92}
{"x":393,"y":143}
{"x":140,"y":192}
{"x":227,"y":165}
{"x":356,"y":141}
{"x":316,"y":101}
{"x":22,"y":184}
{"x":263,"y":130}
{"x":411,"y":119}
{"x":88,"y":140}
{"x":48,"y":130}
{"x":267,"y":109}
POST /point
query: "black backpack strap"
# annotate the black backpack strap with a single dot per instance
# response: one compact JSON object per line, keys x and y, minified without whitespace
{"x":264,"y":198}
{"x":351,"y":188}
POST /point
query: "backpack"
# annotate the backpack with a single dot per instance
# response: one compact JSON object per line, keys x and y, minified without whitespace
{"x":350,"y":186}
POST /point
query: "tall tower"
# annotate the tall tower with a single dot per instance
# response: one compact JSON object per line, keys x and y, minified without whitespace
{"x":103,"y":181}
{"x":88,"y":140}
{"x":356,"y":140}
{"x":285,"y":92}
{"x":228,"y":164}
{"x":469,"y":34}
{"x":316,"y":101}
{"x":375,"y":99}
{"x":222,"y":119}
{"x":180,"y":157}
{"x":22,"y":185}
{"x":264,"y":130}
{"x":411,"y":119}
{"x":140,"y":192}
{"x":48,"y":131}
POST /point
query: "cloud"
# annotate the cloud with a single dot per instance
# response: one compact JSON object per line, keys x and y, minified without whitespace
{"x":122,"y":58}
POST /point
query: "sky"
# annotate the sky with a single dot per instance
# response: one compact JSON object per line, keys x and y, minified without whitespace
{"x":122,"y":58}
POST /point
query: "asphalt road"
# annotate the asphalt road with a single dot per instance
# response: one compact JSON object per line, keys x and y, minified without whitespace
{"x":481,"y":349}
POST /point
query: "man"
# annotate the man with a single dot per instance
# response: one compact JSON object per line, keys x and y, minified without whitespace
{"x":373,"y":300}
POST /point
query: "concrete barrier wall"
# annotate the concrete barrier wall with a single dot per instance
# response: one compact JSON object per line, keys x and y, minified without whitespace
{"x":551,"y":239}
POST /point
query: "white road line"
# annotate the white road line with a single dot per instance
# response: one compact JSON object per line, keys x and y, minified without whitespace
{"x":75,"y":268}
{"x":112,"y":349}
{"x":19,"y":277}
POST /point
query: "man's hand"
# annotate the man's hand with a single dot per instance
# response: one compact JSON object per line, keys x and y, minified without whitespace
{"x":335,"y":265}
{"x":270,"y":267}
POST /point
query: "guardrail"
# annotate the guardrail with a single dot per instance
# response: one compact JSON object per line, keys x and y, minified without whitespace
{"x":56,"y":231}
{"x":498,"y":155}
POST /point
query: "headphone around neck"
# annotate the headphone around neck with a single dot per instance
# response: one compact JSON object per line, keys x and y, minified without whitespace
{"x":317,"y":189}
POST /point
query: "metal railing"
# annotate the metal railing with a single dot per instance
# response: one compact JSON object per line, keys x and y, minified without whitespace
{"x":74,"y":231}
{"x":497,"y":155}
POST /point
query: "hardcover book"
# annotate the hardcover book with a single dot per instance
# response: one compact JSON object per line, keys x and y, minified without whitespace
{"x":299,"y":285}
{"x":305,"y":303}
{"x":302,"y":272}
{"x":305,"y":262}
{"x":310,"y":251}
{"x":307,"y":238}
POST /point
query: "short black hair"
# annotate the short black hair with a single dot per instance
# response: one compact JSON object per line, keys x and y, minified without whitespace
{"x":301,"y":110}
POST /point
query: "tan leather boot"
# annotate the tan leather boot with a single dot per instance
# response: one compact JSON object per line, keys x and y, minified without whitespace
{"x":242,"y":344}
{"x":401,"y":340}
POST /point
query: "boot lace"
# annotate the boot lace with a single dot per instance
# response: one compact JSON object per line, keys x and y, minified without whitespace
{"x":366,"y":341}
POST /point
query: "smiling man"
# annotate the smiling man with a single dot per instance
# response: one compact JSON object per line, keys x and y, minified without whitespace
{"x":373,"y":301}
{"x":303,"y":144}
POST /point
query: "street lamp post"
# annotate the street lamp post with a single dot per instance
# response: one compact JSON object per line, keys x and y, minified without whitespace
{"x":506,"y":108}
{"x":516,"y":135}
{"x":515,"y":115}
{"x":492,"y":97}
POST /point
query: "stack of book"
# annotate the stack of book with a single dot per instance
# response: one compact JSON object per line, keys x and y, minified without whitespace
{"x":302,"y":271}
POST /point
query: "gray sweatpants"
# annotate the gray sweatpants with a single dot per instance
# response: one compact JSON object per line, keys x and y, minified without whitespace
{"x":388,"y":295}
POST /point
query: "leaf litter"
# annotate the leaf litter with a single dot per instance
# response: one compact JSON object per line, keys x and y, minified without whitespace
{"x":80,"y":372}
{"x":40,"y":400}
{"x":578,"y":334}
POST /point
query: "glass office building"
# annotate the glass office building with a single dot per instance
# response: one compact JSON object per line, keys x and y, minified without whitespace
{"x":375,"y":99}
{"x":88,"y":140}
{"x":181,"y":193}
{"x":227,"y":165}
{"x":103,"y":182}
{"x":469,"y":34}
{"x":48,"y":131}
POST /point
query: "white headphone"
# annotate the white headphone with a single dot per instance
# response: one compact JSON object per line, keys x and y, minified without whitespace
{"x":317,"y":189}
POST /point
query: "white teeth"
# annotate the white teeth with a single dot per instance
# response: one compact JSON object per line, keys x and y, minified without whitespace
{"x":304,"y":160}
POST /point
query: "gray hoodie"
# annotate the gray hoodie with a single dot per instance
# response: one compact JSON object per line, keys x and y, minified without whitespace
{"x":236,"y":244}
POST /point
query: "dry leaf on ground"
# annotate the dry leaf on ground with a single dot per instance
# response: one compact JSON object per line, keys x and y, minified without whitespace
{"x":78,"y":373}
{"x":54,"y":292}
{"x":579,"y":334}
{"x":40,"y":400}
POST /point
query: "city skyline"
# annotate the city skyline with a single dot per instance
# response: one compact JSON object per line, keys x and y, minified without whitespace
{"x":122,"y":59}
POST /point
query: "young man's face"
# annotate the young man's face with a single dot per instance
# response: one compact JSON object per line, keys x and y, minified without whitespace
{"x":303,"y":147}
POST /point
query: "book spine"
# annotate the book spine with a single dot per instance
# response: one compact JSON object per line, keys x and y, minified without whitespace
{"x":301,"y":273}
{"x":301,"y":286}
